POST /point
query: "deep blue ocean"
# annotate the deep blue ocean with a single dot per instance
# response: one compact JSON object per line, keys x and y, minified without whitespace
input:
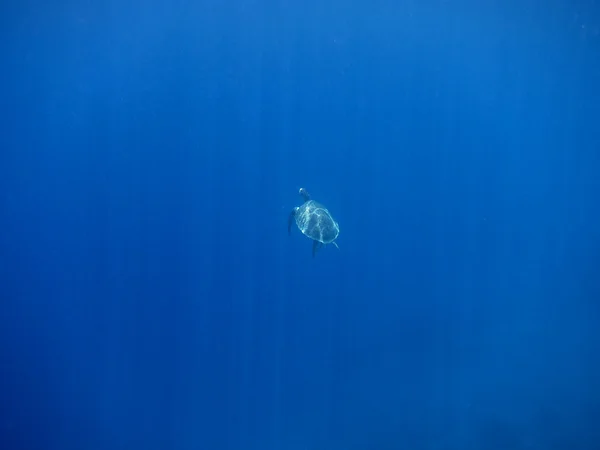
{"x":151,"y":297}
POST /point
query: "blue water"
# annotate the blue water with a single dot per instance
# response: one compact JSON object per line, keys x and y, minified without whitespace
{"x":150,"y":153}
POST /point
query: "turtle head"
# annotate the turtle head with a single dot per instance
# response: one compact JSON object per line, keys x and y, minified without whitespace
{"x":304,"y":193}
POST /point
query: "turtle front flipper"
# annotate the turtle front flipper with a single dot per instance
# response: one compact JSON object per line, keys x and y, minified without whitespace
{"x":316,"y":246}
{"x":291,"y":218}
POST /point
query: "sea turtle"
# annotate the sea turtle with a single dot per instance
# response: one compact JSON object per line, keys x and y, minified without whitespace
{"x":315,"y":222}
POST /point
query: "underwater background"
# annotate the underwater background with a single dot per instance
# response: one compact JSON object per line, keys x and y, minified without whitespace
{"x":151,"y":298}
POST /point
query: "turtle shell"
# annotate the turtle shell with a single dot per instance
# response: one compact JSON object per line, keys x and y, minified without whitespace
{"x":315,"y":222}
